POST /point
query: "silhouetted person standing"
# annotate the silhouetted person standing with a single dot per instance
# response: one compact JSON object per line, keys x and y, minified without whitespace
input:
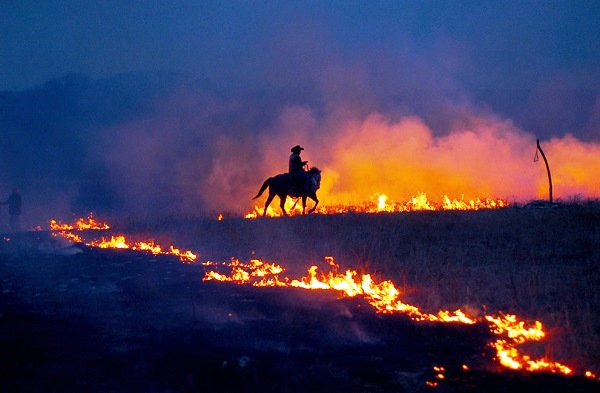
{"x":14,"y":208}
{"x":296,"y":169}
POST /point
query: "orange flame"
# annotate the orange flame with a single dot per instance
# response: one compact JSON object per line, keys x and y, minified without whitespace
{"x":113,"y":242}
{"x":118,"y":242}
{"x":81,"y":224}
{"x":73,"y":237}
{"x":477,"y":157}
{"x":381,"y":203}
{"x":121,"y":242}
{"x":385,"y":298}
{"x":515,"y":333}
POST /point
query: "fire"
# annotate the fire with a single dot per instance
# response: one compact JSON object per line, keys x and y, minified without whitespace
{"x":515,"y":332}
{"x":385,"y":298}
{"x":186,"y":255}
{"x":113,"y":242}
{"x":151,"y":247}
{"x":381,"y":203}
{"x":256,"y":271}
{"x":440,"y":372}
{"x":292,"y":206}
{"x":73,"y":237}
{"x":439,"y":375}
{"x":469,"y":164}
{"x":118,"y":242}
{"x":82,"y":224}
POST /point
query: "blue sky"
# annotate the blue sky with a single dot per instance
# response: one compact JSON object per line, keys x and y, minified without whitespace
{"x":505,"y":54}
{"x":513,"y":42}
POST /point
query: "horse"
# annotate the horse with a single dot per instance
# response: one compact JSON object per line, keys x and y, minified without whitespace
{"x":282,"y":185}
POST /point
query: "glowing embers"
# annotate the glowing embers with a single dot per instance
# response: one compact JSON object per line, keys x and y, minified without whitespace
{"x":381,"y":203}
{"x":385,"y":298}
{"x":117,"y":242}
{"x":439,"y":376}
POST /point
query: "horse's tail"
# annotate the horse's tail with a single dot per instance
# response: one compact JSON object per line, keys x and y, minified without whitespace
{"x":264,"y":187}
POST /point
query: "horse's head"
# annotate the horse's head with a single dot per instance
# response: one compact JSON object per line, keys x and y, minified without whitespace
{"x":314,"y":175}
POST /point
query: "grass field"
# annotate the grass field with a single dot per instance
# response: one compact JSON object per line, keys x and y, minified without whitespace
{"x":541,"y":264}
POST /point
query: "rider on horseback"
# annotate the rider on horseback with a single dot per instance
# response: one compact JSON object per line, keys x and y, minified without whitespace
{"x":300,"y":180}
{"x":297,"y":183}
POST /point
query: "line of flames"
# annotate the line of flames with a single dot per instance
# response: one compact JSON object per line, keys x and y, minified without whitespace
{"x":119,"y":241}
{"x":385,"y":298}
{"x":380,"y":203}
{"x":82,"y":224}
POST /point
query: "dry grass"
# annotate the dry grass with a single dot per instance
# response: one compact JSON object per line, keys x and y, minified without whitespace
{"x":537,"y":263}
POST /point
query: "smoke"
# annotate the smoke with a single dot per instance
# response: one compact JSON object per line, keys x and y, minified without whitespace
{"x":164,"y":144}
{"x":483,"y":157}
{"x":575,"y":167}
{"x":480,"y":156}
{"x":195,"y":158}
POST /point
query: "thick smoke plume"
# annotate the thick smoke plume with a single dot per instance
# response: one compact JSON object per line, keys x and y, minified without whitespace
{"x":481,"y":157}
{"x":184,"y":161}
{"x":162,"y":145}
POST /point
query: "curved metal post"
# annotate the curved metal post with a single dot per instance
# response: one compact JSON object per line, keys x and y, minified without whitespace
{"x":547,"y":168}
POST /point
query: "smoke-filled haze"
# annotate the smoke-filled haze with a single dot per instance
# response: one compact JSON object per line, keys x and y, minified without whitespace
{"x":186,"y":107}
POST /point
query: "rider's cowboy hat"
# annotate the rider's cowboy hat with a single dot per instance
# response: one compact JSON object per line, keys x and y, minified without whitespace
{"x":297,"y":148}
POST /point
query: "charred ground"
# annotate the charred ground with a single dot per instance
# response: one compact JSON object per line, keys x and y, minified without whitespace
{"x":109,"y":320}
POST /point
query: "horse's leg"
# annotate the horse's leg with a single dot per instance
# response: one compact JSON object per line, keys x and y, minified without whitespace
{"x":314,"y":198}
{"x":282,"y":199}
{"x":268,"y":202}
{"x":295,"y":203}
{"x":303,"y":204}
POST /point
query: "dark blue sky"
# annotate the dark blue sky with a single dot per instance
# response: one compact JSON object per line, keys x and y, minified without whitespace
{"x":522,"y":58}
{"x":204,"y":78}
{"x":485,"y":44}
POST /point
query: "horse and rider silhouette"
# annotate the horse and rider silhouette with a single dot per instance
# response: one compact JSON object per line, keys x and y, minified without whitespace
{"x":297,"y":183}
